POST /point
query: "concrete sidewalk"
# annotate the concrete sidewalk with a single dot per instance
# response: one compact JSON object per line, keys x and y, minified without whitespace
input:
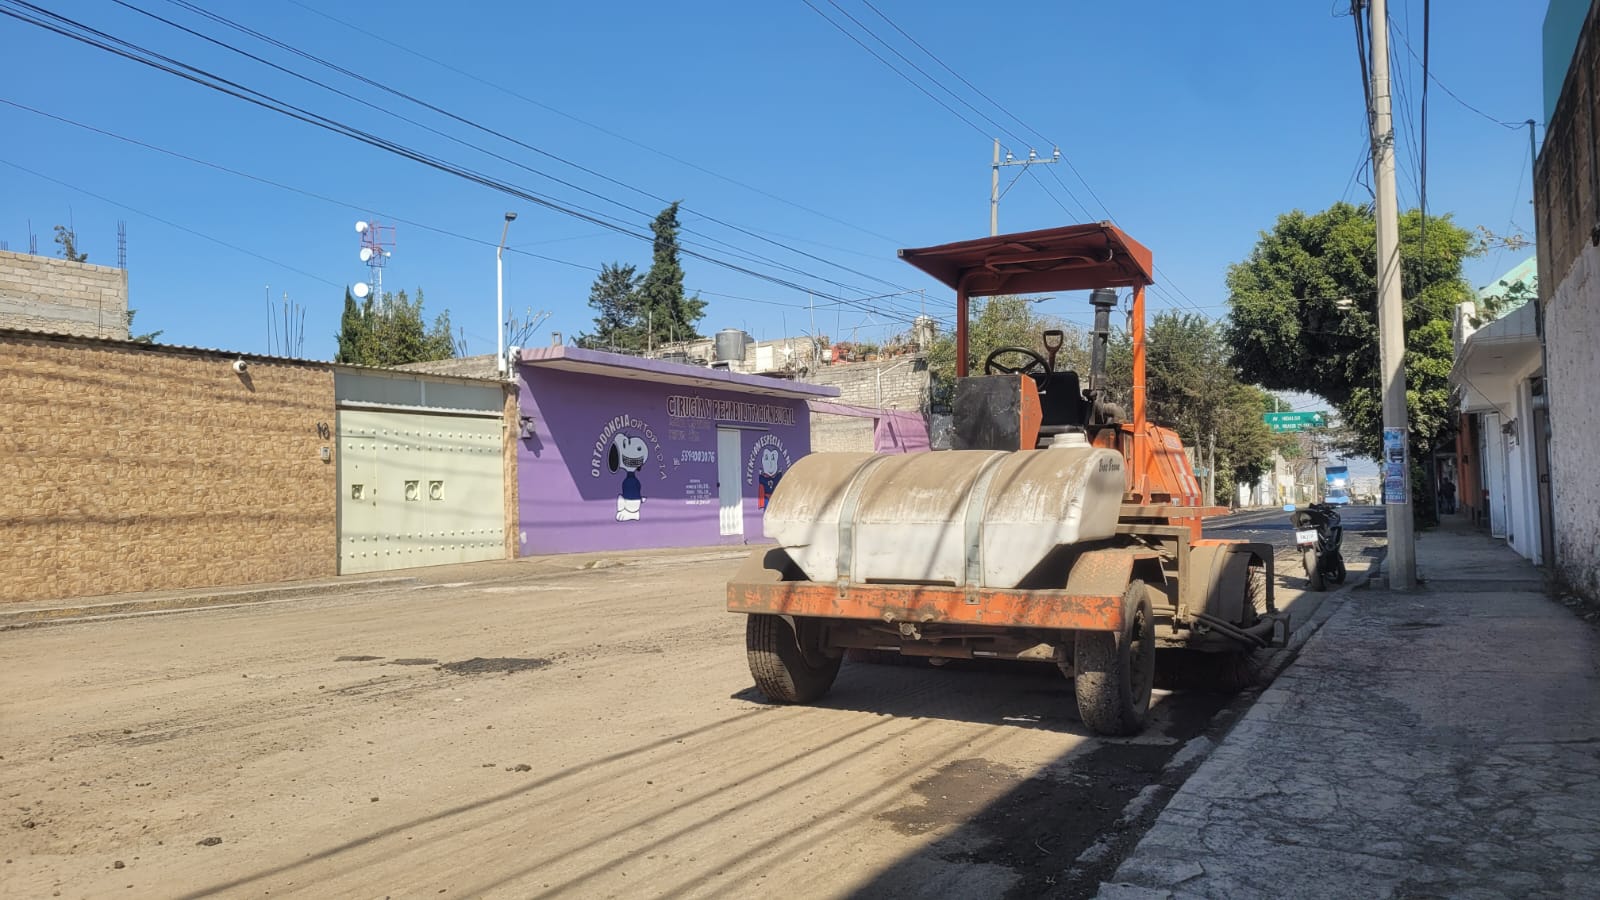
{"x":1442,"y":743}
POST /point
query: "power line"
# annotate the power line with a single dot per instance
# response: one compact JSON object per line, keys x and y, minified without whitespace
{"x":219,"y":19}
{"x":599,"y":128}
{"x":975,"y":89}
{"x":325,"y":199}
{"x":1074,"y":169}
{"x":909,"y":80}
{"x":170,"y":224}
{"x":1453,"y":95}
{"x":128,"y":50}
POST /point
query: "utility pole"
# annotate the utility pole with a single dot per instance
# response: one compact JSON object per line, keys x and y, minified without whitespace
{"x":500,"y":297}
{"x":1396,"y":463}
{"x":994,"y":178}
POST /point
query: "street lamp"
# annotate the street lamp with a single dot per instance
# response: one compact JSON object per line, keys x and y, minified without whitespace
{"x":500,"y":297}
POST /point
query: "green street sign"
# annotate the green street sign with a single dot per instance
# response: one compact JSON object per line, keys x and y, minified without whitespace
{"x":1294,"y":421}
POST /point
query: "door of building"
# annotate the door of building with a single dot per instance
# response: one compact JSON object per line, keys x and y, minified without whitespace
{"x":417,"y":489}
{"x":729,"y":495}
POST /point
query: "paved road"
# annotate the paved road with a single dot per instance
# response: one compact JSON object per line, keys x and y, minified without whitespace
{"x":529,"y":733}
{"x":1364,"y":539}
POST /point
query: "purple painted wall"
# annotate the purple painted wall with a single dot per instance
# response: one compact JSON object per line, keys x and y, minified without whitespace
{"x":660,"y":489}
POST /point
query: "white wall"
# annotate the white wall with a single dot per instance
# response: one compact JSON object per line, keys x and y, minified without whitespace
{"x":1572,"y":327}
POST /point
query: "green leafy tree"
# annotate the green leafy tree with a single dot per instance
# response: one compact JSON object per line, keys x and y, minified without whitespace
{"x":615,"y":299}
{"x":664,"y":310}
{"x":1192,"y":387}
{"x":352,"y":331}
{"x":67,"y":239}
{"x":996,"y":322}
{"x":1303,"y":316}
{"x":392,"y":333}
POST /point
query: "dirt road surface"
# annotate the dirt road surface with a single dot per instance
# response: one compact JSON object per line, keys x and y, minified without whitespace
{"x":586,"y":733}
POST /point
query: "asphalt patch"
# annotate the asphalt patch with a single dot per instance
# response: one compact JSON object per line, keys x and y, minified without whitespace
{"x":500,"y":665}
{"x":356,"y":658}
{"x":417,"y":661}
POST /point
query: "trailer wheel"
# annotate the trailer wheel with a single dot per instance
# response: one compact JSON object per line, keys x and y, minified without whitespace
{"x":1314,"y":578}
{"x":782,"y":670}
{"x":1114,"y":672}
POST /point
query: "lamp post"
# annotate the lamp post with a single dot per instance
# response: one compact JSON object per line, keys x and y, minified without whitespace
{"x":500,"y":297}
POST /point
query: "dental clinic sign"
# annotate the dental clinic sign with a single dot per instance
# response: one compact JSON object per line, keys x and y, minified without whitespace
{"x":744,"y":412}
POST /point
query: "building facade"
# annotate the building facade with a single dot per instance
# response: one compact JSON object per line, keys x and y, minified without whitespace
{"x":42,"y":293}
{"x":1567,"y":211}
{"x":622,"y":453}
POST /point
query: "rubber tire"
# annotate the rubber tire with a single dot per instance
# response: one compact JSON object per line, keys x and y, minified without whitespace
{"x":1115,"y":672}
{"x":1314,"y":580}
{"x":1338,"y":574}
{"x":781,"y":671}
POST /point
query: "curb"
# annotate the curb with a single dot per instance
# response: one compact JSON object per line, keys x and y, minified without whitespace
{"x":63,"y":615}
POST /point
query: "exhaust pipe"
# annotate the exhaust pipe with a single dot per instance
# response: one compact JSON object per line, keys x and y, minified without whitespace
{"x":1104,"y":300}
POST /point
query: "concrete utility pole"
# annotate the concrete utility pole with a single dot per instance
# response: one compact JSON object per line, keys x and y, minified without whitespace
{"x":500,"y":297}
{"x":1391,"y":317}
{"x":994,"y":179}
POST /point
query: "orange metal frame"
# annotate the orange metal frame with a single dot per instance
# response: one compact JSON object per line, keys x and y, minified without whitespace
{"x":920,"y":604}
{"x":1077,"y":257}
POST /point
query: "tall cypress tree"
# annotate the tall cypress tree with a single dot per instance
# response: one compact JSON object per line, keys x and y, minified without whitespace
{"x":663,"y":308}
{"x":352,"y":331}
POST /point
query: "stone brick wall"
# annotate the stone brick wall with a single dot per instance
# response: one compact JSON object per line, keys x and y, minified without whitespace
{"x":128,"y":468}
{"x":905,"y":383}
{"x":48,"y":294}
{"x":1567,"y":209}
{"x":833,"y":433}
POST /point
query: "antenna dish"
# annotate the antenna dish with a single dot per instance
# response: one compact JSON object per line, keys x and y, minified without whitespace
{"x":361,"y":290}
{"x":366,"y":253}
{"x":361,"y":228}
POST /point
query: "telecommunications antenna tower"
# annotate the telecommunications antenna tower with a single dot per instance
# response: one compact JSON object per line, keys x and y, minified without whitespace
{"x":377,"y":241}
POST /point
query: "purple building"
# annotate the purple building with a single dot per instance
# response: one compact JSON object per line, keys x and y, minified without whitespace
{"x":621,"y":453}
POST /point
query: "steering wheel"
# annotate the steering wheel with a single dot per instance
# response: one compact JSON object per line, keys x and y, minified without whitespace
{"x":1035,"y":364}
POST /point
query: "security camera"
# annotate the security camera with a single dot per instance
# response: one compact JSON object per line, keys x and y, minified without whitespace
{"x":240,"y":367}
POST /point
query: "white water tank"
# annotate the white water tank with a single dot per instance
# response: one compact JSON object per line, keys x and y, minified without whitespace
{"x":983,"y":518}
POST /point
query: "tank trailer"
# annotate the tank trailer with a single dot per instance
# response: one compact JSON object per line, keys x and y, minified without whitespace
{"x":1060,"y":529}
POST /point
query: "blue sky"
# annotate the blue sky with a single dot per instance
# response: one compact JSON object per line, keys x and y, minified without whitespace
{"x":1194,"y":128}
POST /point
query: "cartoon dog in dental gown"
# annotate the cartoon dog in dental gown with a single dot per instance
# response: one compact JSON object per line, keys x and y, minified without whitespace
{"x":629,"y":453}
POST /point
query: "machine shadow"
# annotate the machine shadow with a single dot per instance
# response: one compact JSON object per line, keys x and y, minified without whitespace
{"x":1000,"y":693}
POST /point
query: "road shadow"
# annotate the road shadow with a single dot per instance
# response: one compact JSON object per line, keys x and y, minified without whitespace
{"x":1000,"y":693}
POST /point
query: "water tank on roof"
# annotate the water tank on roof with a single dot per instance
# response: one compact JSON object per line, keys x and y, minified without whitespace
{"x":730,"y":345}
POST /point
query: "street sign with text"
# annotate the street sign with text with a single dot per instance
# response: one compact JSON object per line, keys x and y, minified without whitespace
{"x":1295,"y":421}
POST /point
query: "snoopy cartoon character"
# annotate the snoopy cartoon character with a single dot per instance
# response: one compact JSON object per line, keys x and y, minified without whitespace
{"x":629,"y":453}
{"x":768,"y":479}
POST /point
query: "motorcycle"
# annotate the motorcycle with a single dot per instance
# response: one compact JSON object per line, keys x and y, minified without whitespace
{"x":1317,"y":535}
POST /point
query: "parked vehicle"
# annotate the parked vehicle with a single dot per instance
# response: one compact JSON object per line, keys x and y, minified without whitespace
{"x":1062,"y":529}
{"x":1317,"y":535}
{"x":1338,"y":480}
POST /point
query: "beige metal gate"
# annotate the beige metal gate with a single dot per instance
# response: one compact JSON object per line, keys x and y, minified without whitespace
{"x":418,"y":489}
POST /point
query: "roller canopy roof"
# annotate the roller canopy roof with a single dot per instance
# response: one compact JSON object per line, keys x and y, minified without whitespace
{"x":1070,"y":258}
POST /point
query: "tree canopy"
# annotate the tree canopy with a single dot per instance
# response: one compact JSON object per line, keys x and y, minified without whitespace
{"x":1303,"y":316}
{"x":634,"y":313}
{"x":667,"y":312}
{"x":67,"y":239}
{"x":996,"y":322}
{"x":391,"y":333}
{"x":1192,"y":387}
